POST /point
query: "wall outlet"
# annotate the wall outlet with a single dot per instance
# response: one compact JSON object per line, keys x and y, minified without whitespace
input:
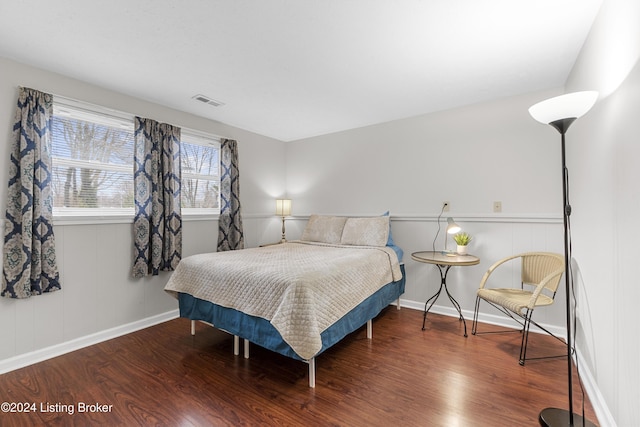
{"x":497,"y":207}
{"x":446,"y":206}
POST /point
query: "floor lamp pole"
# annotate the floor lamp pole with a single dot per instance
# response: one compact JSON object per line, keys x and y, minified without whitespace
{"x":554,"y":416}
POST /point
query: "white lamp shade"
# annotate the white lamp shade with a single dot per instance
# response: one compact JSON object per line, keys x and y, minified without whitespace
{"x":283,"y":207}
{"x":571,"y":105}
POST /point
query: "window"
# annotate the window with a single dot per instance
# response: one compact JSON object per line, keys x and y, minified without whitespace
{"x":200,"y":159}
{"x":92,"y":159}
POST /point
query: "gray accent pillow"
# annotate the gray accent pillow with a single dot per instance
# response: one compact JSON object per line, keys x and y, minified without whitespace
{"x":324,"y":229}
{"x":372,"y":231}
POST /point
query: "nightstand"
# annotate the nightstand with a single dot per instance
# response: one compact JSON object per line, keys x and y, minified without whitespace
{"x":444,"y":262}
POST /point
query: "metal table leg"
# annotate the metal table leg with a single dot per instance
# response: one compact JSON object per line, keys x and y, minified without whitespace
{"x":443,"y":284}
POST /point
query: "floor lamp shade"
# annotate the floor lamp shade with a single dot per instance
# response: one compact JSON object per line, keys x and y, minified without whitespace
{"x":560,"y":112}
{"x":569,"y":106}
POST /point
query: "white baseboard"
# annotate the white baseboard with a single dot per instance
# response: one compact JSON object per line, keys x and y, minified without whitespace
{"x":605,"y":417}
{"x":30,"y":358}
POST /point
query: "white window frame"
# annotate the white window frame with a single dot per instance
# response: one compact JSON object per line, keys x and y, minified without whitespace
{"x":106,"y":116}
{"x":191,"y":136}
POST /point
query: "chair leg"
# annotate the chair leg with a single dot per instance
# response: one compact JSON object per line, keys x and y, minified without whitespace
{"x":474,"y":327}
{"x":525,"y":336}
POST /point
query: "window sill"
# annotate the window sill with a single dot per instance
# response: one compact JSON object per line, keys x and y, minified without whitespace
{"x":119,"y":219}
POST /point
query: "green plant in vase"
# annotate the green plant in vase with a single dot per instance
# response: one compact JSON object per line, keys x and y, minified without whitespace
{"x":462,"y":240}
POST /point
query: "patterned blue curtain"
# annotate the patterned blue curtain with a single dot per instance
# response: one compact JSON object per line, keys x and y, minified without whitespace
{"x":29,"y":265}
{"x":157,"y":226}
{"x":230,"y":234}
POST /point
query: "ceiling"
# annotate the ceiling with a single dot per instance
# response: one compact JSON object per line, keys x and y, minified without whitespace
{"x":292,"y":69}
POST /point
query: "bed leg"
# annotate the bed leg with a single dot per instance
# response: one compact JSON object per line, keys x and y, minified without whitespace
{"x":398,"y":303}
{"x":312,"y":372}
{"x":236,"y":345}
{"x":369,"y":328}
{"x":193,"y":327}
{"x":246,"y":349}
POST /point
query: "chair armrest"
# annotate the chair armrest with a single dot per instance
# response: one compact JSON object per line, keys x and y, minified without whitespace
{"x":483,"y":282}
{"x":536,"y":293}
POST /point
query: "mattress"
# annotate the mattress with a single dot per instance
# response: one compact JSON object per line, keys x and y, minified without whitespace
{"x":300,"y":288}
{"x":261,"y":332}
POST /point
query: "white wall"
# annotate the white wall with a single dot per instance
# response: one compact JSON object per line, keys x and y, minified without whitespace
{"x":98,"y":294}
{"x":603,"y":153}
{"x":469,"y":156}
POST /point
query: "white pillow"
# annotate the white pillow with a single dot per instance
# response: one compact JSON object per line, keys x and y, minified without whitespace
{"x":372,"y":231}
{"x":324,"y":229}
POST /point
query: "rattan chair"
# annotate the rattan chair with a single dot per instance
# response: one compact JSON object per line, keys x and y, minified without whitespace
{"x":540,"y":275}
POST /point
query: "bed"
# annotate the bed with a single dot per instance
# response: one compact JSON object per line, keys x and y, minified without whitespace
{"x":296,"y":298}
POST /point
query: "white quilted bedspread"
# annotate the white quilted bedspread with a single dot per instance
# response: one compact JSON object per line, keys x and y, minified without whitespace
{"x":302,"y":288}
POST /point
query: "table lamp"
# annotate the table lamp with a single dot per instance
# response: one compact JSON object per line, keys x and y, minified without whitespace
{"x":452,"y":228}
{"x":283,"y":209}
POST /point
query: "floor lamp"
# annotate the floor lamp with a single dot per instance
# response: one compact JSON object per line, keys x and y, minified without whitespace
{"x":560,"y":112}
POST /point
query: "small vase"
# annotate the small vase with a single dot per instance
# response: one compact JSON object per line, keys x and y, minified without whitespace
{"x":462,"y":250}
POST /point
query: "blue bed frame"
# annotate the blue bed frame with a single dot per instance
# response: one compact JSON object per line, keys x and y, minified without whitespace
{"x":260,"y":331}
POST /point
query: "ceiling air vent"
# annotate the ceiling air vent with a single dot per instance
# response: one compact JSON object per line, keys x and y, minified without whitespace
{"x":208,"y":100}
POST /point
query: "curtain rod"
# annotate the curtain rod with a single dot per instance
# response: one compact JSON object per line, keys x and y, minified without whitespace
{"x":118,"y":113}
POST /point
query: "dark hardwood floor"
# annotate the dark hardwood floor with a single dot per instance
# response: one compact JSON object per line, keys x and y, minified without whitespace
{"x":404,"y":376}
